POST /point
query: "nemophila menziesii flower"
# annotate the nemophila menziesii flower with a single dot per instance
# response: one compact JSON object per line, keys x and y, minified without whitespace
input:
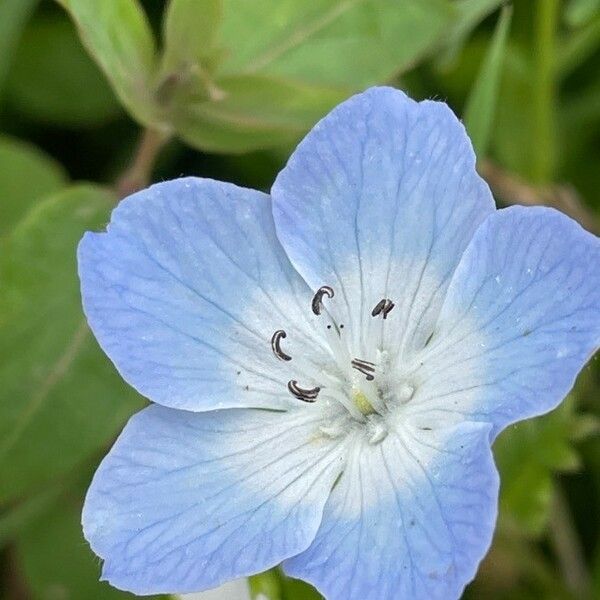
{"x":329,"y":363}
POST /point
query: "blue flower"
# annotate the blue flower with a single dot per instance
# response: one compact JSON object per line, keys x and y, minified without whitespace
{"x":329,"y":363}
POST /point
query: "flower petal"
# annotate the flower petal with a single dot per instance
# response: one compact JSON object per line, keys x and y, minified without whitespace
{"x":521,"y":318}
{"x":185,"y":501}
{"x":410,"y":518}
{"x":379,"y":201}
{"x":185,"y":290}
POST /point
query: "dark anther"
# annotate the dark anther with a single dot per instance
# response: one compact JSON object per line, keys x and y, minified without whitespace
{"x":276,"y":345}
{"x":301,"y":393}
{"x":317,"y":301}
{"x":384,"y":306}
{"x":365,"y":367}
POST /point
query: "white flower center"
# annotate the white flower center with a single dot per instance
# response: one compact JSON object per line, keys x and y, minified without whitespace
{"x":358,"y":392}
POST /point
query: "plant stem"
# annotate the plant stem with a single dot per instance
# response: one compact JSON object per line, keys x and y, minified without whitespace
{"x":138,"y":174}
{"x":544,"y":91}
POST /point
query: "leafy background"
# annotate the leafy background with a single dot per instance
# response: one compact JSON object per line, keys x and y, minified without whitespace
{"x":99,"y":98}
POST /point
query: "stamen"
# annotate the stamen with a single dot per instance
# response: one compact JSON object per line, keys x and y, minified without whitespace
{"x":384,"y":306}
{"x":301,"y":393}
{"x":279,"y":335}
{"x":365,"y":367}
{"x":317,"y":301}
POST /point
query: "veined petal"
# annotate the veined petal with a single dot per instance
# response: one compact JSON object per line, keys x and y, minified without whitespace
{"x":379,"y":201}
{"x":520,"y":320}
{"x":185,"y":501}
{"x":410,"y":518}
{"x":185,"y":290}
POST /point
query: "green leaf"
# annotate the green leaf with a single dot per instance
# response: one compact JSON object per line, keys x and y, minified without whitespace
{"x":13,"y":16}
{"x":26,"y":175}
{"x":118,"y":36}
{"x":528,"y":455}
{"x":17,"y":517}
{"x":481,"y":104}
{"x":262,"y":82}
{"x":579,"y":12}
{"x":190,"y":33}
{"x":255,"y":111}
{"x":350,"y":43}
{"x":470,"y":14}
{"x":577,"y":47}
{"x":513,"y":130}
{"x":53,"y":80}
{"x":60,"y":399}
{"x":55,"y":560}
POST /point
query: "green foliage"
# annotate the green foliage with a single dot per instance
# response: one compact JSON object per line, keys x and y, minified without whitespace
{"x":26,"y":174}
{"x":117,"y":35}
{"x":60,"y":369}
{"x":470,"y":13}
{"x":528,"y":456}
{"x":230,"y":80}
{"x":53,"y":80}
{"x":481,"y":105}
{"x":56,"y":561}
{"x":347,"y":43}
{"x":255,"y":111}
{"x":190,"y":35}
{"x":579,"y":12}
{"x":13,"y":16}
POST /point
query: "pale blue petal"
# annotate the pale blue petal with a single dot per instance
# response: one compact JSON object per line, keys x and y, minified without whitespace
{"x":185,"y":290}
{"x":409,"y":518}
{"x":521,"y":318}
{"x":379,"y":201}
{"x":185,"y":501}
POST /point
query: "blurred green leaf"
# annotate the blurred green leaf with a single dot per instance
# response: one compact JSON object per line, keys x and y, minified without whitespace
{"x":18,"y":516}
{"x":13,"y":16}
{"x":119,"y":38}
{"x":256,"y":111}
{"x":53,"y":80}
{"x":577,"y":46}
{"x":351,"y":43}
{"x":579,"y":12}
{"x":470,"y":13}
{"x":56,"y":562}
{"x":481,"y":104}
{"x":513,"y":130}
{"x":190,"y":33}
{"x":277,"y":76}
{"x":529,"y":454}
{"x":26,"y":174}
{"x":237,"y":75}
{"x":60,"y":398}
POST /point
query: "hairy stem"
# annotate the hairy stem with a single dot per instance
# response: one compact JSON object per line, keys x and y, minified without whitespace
{"x":138,"y":174}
